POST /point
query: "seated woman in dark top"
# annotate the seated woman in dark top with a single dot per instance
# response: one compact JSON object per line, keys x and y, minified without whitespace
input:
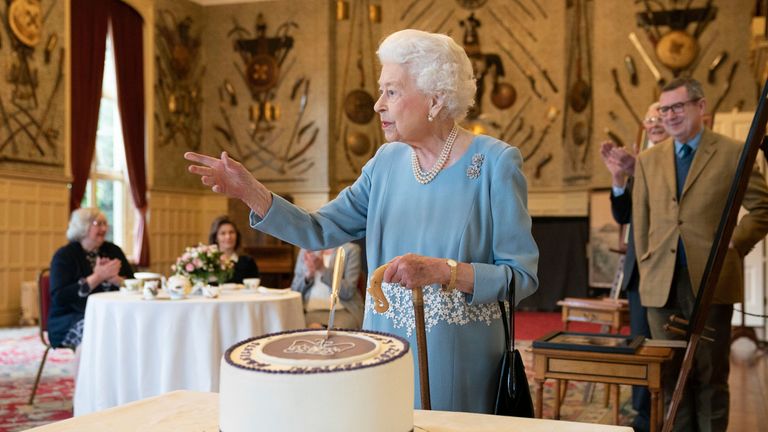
{"x":226,"y":236}
{"x":87,"y":264}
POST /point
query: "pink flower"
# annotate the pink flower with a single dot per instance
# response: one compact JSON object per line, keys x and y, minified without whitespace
{"x":189,"y":267}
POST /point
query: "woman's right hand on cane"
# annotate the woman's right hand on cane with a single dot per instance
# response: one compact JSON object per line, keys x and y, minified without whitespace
{"x":229,"y":177}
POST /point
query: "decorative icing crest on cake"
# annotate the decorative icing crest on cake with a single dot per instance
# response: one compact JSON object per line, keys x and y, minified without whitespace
{"x":310,"y":353}
{"x":318,"y":347}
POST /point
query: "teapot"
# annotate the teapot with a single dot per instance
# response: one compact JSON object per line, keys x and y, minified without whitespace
{"x":178,"y":286}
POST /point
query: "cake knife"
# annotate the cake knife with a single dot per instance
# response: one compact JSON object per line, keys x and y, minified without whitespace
{"x":338,"y":273}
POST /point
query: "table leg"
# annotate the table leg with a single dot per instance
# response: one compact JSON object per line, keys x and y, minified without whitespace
{"x":539,"y":397}
{"x":556,"y":415}
{"x":616,"y":389}
{"x":563,"y":391}
{"x":654,"y":410}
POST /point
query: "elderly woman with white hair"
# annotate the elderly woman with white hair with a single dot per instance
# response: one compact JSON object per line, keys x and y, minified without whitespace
{"x":86,"y":265}
{"x":446,"y":209}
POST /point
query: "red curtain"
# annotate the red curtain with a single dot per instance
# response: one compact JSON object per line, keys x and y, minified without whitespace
{"x":90,"y":20}
{"x":127,"y":27}
{"x":88,"y":36}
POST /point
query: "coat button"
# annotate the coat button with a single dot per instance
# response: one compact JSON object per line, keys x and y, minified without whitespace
{"x":672,"y":250}
{"x":679,"y":222}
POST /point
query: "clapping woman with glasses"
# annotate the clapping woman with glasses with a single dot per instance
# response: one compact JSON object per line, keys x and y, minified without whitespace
{"x":86,"y":265}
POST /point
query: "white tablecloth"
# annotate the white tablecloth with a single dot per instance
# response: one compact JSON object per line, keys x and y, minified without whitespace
{"x":193,"y":411}
{"x":134,"y":348}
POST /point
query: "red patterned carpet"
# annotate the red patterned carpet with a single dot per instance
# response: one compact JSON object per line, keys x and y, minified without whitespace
{"x":21,"y":351}
{"x":20,"y":354}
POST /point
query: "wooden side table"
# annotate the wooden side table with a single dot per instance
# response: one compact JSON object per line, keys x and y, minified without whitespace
{"x":640,"y":368}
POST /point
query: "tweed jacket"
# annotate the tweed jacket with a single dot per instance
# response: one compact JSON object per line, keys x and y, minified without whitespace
{"x":660,"y":219}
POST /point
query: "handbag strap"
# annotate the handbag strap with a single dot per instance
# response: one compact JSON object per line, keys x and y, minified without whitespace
{"x":509,"y":328}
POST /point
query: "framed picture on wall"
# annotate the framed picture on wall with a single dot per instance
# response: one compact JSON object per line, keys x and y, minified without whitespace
{"x":604,"y":237}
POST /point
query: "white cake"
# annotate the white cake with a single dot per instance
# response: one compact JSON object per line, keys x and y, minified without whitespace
{"x":296,"y":382}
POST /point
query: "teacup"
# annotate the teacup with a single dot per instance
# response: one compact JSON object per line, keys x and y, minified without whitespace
{"x":151,"y":289}
{"x":252,"y":283}
{"x":133,"y":285}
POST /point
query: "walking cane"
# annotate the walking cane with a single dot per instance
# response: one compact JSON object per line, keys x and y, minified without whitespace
{"x":421,"y":342}
{"x":381,"y":304}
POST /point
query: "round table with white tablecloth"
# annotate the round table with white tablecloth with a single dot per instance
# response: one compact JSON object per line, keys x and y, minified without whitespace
{"x":134,"y":348}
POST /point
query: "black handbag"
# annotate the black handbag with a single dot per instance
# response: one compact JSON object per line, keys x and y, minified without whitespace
{"x":513,"y":396}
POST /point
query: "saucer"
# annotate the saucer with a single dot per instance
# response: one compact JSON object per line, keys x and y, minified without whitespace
{"x":265,"y":290}
{"x":124,"y":290}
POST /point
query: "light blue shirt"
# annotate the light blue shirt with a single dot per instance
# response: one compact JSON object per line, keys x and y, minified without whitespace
{"x":693,"y":143}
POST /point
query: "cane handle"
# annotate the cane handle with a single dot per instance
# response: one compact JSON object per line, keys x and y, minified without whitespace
{"x":380,"y":302}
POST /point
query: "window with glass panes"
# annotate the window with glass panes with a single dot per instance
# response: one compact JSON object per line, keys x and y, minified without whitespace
{"x":108,"y":185}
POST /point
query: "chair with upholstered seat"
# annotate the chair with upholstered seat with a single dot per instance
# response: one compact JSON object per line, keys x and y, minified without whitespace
{"x":44,"y":296}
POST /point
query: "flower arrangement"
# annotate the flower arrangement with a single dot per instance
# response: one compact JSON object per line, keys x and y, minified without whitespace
{"x":203,"y":264}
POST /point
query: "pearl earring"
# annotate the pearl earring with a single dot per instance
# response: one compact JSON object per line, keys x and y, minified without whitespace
{"x":429,"y":117}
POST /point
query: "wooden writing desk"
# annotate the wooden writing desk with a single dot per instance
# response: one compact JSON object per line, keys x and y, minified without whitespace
{"x":641,"y":368}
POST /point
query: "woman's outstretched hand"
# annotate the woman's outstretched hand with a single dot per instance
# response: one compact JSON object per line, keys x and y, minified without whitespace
{"x":229,"y":177}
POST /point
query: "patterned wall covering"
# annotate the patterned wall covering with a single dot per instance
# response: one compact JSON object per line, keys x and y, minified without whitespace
{"x":518,"y":50}
{"x":32,"y":44}
{"x":179,"y":73}
{"x":267,"y":90}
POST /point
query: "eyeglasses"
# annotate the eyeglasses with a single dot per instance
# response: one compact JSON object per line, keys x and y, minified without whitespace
{"x":100,"y":223}
{"x":676,"y":108}
{"x":649,"y":121}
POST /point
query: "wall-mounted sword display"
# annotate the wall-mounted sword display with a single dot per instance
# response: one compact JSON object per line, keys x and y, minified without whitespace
{"x":528,"y":75}
{"x":525,"y":50}
{"x":726,"y":87}
{"x":716,"y":63}
{"x":629,"y":63}
{"x":541,"y":164}
{"x":622,"y":96}
{"x":647,"y":59}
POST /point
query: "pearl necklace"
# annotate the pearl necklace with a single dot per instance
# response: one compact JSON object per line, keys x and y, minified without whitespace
{"x":426,"y":177}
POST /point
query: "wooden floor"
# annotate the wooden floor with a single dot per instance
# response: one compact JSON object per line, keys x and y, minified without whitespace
{"x":749,"y":393}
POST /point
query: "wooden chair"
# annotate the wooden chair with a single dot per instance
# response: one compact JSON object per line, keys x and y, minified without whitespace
{"x":44,"y":296}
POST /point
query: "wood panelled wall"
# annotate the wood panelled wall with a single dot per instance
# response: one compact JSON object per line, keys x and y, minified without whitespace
{"x":33,"y":224}
{"x":178,"y":220}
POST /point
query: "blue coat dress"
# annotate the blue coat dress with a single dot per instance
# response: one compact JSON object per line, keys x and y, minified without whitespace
{"x":474,"y":211}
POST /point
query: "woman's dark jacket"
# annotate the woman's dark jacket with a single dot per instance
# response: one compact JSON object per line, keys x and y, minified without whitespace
{"x":68,"y":265}
{"x":245,"y":267}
